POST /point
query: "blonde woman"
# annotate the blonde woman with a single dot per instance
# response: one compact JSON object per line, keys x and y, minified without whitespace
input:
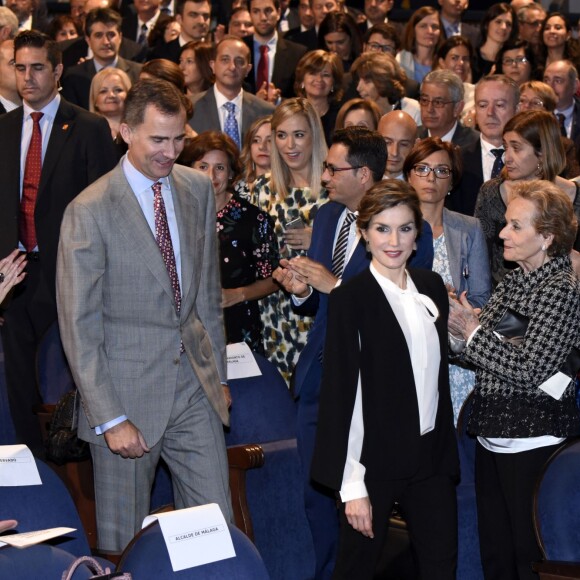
{"x":291,"y":194}
{"x":107,"y":96}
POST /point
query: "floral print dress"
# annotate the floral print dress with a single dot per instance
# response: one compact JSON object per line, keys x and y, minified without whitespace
{"x":248,"y":251}
{"x":285,"y":332}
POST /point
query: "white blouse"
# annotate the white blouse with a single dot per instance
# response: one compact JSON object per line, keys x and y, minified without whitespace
{"x":416,"y":315}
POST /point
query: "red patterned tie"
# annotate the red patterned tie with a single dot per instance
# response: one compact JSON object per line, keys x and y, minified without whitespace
{"x":163,"y":238}
{"x":262,"y":76}
{"x":32,"y":171}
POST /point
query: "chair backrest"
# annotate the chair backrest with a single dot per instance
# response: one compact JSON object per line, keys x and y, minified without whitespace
{"x":54,"y":375}
{"x":37,"y":507}
{"x":262,"y":408}
{"x":147,"y":557}
{"x":557,"y":505}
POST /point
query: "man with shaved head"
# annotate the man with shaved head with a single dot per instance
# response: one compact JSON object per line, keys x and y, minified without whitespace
{"x":399,"y":131}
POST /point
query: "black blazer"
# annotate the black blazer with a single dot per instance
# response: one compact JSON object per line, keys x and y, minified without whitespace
{"x":130,"y":21}
{"x":77,"y":48}
{"x":462,"y":137}
{"x":307,"y":38}
{"x":464,"y":195}
{"x":391,"y":447}
{"x":80,"y":150}
{"x":287,"y":56}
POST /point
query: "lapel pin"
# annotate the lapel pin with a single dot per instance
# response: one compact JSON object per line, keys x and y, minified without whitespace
{"x":65,"y":127}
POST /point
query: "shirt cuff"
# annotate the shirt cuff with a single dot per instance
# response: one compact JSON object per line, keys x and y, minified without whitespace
{"x":472,"y":335}
{"x":100,"y":429}
{"x":353,"y":490}
{"x":298,"y":301}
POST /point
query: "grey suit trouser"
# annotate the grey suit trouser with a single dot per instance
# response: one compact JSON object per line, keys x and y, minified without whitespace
{"x":194,"y":449}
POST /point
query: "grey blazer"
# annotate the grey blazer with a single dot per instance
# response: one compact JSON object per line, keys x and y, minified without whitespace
{"x":206,"y":117}
{"x":117,"y":317}
{"x":467,"y":253}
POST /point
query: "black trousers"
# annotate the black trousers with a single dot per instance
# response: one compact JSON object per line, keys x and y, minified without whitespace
{"x":30,"y":311}
{"x":428,"y":503}
{"x":504,"y":485}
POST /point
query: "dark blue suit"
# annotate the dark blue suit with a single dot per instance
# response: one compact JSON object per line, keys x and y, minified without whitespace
{"x":320,"y":503}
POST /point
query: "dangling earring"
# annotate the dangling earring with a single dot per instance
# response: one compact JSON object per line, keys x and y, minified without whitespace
{"x":302,"y":87}
{"x":539,"y":170}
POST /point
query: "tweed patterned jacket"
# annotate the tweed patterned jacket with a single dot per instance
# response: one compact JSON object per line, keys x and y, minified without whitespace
{"x":507,"y":401}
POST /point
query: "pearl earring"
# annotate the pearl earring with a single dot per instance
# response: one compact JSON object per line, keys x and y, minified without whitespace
{"x":543,"y":247}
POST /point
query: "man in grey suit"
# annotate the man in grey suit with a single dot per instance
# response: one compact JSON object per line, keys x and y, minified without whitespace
{"x":210,"y":109}
{"x":441,"y":101}
{"x":138,"y":295}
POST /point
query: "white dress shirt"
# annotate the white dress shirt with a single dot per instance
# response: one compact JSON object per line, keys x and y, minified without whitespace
{"x":416,"y":315}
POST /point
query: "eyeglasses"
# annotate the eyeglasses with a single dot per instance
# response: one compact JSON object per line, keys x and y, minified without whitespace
{"x":332,"y":169}
{"x":441,"y":171}
{"x":532,"y":102}
{"x":437,"y":103}
{"x":533,"y":23}
{"x":514,"y":61}
{"x":376,"y":47}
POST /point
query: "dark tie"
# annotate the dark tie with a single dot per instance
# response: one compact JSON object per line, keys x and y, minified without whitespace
{"x":339,"y":255}
{"x":32,"y":171}
{"x":231,"y":125}
{"x":262,"y":76}
{"x":142,"y":40}
{"x":562,"y":122}
{"x":498,"y":163}
{"x":163,"y":239}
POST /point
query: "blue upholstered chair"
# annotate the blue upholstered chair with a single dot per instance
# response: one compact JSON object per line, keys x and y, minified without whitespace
{"x":147,"y":557}
{"x":468,"y":558}
{"x":38,"y":562}
{"x":37,"y":507}
{"x":557,"y":514}
{"x":54,"y":375}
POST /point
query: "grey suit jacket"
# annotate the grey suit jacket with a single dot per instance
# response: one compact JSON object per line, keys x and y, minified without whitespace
{"x":117,"y":317}
{"x":206,"y":116}
{"x":467,"y":253}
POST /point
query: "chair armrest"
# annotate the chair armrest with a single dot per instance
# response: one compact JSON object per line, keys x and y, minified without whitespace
{"x":240,"y":459}
{"x":553,"y":570}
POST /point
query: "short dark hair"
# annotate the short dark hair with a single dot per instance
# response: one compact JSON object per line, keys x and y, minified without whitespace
{"x":58,"y":22}
{"x":214,"y":141}
{"x":275,"y":2}
{"x":529,"y":53}
{"x":341,"y":22}
{"x":387,"y":194}
{"x":365,"y":148}
{"x":387,"y":31}
{"x":425,"y":147}
{"x":454,"y":42}
{"x":163,"y":95}
{"x":180,"y":5}
{"x":106,"y":16}
{"x":35,"y":39}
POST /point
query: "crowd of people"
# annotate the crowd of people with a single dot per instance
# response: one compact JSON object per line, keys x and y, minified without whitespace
{"x":370,"y":200}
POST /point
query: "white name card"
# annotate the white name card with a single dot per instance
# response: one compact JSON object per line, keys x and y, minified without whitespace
{"x":556,"y":385}
{"x":241,"y":362}
{"x":17,"y":466}
{"x":26,"y":539}
{"x":195,"y":536}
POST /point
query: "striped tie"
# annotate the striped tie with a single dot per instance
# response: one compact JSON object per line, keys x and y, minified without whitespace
{"x":339,"y":255}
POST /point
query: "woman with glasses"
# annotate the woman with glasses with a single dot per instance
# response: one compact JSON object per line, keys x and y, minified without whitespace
{"x":460,"y":253}
{"x":517,"y":61}
{"x":385,"y":427}
{"x":421,"y":40}
{"x":382,"y":38}
{"x":499,"y":25}
{"x":557,"y":42}
{"x":539,"y":96}
{"x":381,"y":79}
{"x":319,"y":77}
{"x":533,"y":150}
{"x":291,"y":194}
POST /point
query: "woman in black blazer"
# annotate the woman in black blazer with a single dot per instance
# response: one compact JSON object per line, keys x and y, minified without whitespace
{"x":385,"y":430}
